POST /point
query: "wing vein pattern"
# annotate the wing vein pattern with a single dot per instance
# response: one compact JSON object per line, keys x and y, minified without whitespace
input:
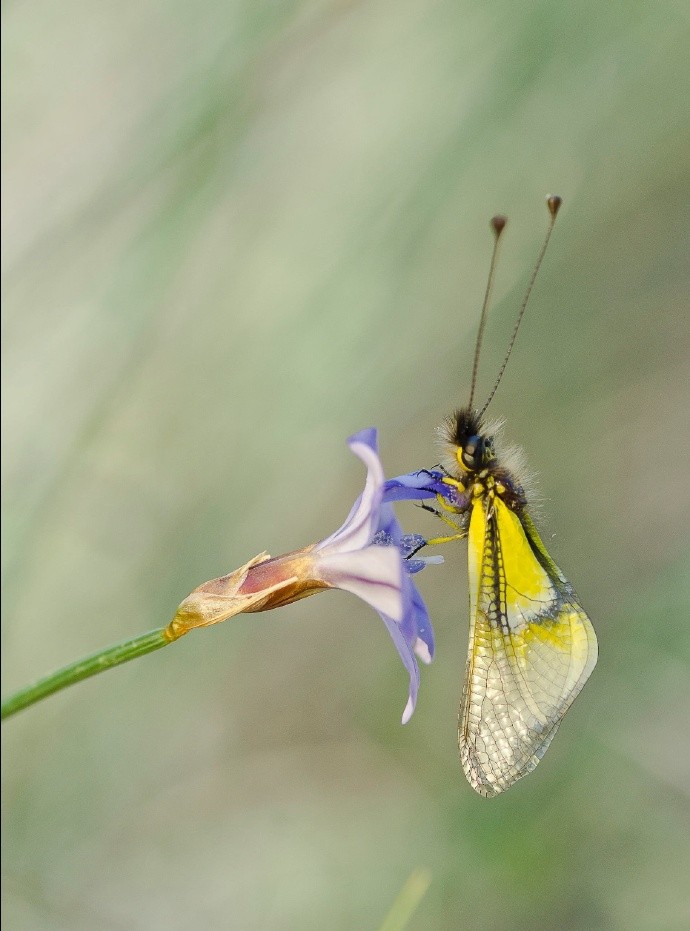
{"x":532,"y":647}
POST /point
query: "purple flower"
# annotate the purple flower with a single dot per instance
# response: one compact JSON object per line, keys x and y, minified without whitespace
{"x":370,"y":535}
{"x":369,"y":556}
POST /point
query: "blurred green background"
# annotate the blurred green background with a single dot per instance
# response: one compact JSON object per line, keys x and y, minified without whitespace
{"x":235,"y":234}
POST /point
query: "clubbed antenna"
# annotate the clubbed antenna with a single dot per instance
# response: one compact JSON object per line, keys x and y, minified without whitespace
{"x":498,"y":224}
{"x":553,"y":202}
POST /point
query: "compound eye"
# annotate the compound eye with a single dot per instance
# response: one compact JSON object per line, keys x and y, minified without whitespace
{"x":472,"y":452}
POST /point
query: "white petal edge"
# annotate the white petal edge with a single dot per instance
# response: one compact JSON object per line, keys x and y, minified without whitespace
{"x":407,"y":713}
{"x":374,"y":574}
{"x":358,"y":529}
{"x":421,"y":649}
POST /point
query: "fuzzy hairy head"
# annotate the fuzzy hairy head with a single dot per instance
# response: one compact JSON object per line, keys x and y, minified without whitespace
{"x":461,"y":429}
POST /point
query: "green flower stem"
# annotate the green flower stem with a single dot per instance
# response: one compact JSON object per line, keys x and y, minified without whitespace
{"x":85,"y":668}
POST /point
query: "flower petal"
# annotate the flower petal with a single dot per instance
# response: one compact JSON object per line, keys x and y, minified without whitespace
{"x":409,"y":662}
{"x":418,"y":486}
{"x":359,"y":527}
{"x":415,"y":486}
{"x":374,"y":573}
{"x":416,"y":625}
{"x":424,"y":644}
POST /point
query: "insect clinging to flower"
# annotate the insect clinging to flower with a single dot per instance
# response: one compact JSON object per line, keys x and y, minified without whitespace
{"x":531,"y":645}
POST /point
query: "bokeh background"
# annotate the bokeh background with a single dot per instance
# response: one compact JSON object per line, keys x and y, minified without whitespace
{"x":235,"y":233}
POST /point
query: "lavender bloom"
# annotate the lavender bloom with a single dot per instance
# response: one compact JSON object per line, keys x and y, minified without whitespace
{"x":367,"y":556}
{"x":372,"y":523}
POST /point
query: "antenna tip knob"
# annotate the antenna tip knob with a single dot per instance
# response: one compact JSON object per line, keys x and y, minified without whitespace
{"x":498,"y":224}
{"x":553,"y":202}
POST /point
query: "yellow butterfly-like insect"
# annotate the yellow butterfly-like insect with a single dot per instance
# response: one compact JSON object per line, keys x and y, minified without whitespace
{"x":531,"y":647}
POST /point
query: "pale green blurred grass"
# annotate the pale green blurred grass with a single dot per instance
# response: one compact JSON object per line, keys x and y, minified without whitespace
{"x":234,"y":234}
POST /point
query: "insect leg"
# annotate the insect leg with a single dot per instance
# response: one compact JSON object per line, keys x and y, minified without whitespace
{"x":461,"y":535}
{"x":461,"y":532}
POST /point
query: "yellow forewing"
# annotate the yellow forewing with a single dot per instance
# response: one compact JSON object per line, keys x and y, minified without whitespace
{"x":531,"y":649}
